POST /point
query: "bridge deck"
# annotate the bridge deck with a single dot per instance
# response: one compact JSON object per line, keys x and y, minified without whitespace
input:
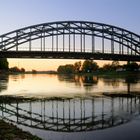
{"x":68,"y":55}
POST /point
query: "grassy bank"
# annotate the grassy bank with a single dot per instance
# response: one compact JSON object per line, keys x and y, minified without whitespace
{"x":10,"y":132}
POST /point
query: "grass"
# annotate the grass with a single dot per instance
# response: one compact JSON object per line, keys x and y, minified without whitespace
{"x":11,"y":132}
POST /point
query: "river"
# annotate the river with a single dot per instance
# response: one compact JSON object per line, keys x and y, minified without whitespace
{"x":74,"y":107}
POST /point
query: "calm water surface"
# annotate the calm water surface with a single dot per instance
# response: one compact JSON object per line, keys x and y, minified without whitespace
{"x":74,"y":107}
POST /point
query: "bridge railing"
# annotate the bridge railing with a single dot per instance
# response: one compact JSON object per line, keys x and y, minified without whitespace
{"x":74,"y":51}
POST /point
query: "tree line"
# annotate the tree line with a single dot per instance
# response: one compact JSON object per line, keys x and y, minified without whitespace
{"x":89,"y":66}
{"x":4,"y":67}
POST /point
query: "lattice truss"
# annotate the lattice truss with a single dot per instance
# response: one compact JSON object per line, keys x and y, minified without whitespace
{"x":72,"y":36}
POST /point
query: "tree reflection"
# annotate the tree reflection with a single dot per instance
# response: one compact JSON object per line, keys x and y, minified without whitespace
{"x":89,"y":82}
{"x":130,"y":80}
{"x":114,"y":82}
{"x":4,"y":79}
{"x":16,"y":77}
{"x":86,"y":81}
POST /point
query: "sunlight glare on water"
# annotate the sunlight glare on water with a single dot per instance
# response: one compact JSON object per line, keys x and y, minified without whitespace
{"x":45,"y":85}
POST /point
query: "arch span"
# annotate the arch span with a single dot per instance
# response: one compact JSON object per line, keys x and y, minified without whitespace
{"x":71,"y":40}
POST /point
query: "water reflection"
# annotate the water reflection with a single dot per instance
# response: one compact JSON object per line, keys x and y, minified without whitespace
{"x":114,"y":82}
{"x":16,"y":77}
{"x":4,"y":79}
{"x":86,"y":81}
{"x":72,"y":115}
{"x":106,"y":82}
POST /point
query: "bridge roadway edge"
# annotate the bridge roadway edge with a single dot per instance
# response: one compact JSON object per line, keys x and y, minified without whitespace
{"x":68,"y":55}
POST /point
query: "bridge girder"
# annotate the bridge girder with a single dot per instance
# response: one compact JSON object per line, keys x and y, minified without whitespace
{"x":67,"y":55}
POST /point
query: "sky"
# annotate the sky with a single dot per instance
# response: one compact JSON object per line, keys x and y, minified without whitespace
{"x":15,"y":14}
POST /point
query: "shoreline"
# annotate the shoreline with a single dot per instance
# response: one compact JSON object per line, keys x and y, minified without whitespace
{"x":9,"y":131}
{"x":80,"y":74}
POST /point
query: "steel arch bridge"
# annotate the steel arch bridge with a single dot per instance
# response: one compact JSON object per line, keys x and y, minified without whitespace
{"x":71,"y":40}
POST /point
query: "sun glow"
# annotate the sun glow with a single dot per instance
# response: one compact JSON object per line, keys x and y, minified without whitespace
{"x":39,"y":64}
{"x":46,"y":64}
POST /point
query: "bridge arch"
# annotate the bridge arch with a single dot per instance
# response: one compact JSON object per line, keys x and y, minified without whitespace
{"x":72,"y":39}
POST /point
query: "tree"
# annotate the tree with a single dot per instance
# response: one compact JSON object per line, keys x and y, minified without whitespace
{"x":4,"y":65}
{"x":14,"y":69}
{"x":22,"y":70}
{"x":107,"y":67}
{"x":131,"y":66}
{"x":110,"y":67}
{"x":77,"y":66}
{"x":89,"y":66}
{"x":66,"y":69}
{"x":34,"y":71}
{"x":115,"y":65}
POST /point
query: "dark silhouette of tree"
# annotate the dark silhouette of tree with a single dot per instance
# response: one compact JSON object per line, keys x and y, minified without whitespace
{"x":22,"y":70}
{"x":89,"y":66}
{"x":34,"y":71}
{"x":66,"y":69}
{"x":131,"y":66}
{"x":111,"y":67}
{"x":4,"y":79}
{"x":4,"y":65}
{"x":115,"y":65}
{"x":107,"y":67}
{"x":77,"y":66}
{"x":16,"y":69}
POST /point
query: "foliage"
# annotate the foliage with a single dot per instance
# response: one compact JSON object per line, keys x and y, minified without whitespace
{"x":131,"y":66}
{"x":110,"y":67}
{"x":16,"y":69}
{"x":77,"y":66}
{"x":89,"y":66}
{"x":4,"y":65}
{"x":66,"y":69}
{"x":22,"y":70}
{"x":115,"y":65}
{"x":107,"y":67}
{"x":34,"y":71}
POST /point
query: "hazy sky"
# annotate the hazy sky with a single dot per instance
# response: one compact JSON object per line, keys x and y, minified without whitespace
{"x":16,"y":14}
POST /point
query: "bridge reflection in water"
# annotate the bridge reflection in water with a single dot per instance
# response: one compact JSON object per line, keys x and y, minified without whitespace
{"x":72,"y":115}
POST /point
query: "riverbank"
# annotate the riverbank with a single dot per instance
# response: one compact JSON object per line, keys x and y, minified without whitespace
{"x":96,"y":73}
{"x":11,"y":132}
